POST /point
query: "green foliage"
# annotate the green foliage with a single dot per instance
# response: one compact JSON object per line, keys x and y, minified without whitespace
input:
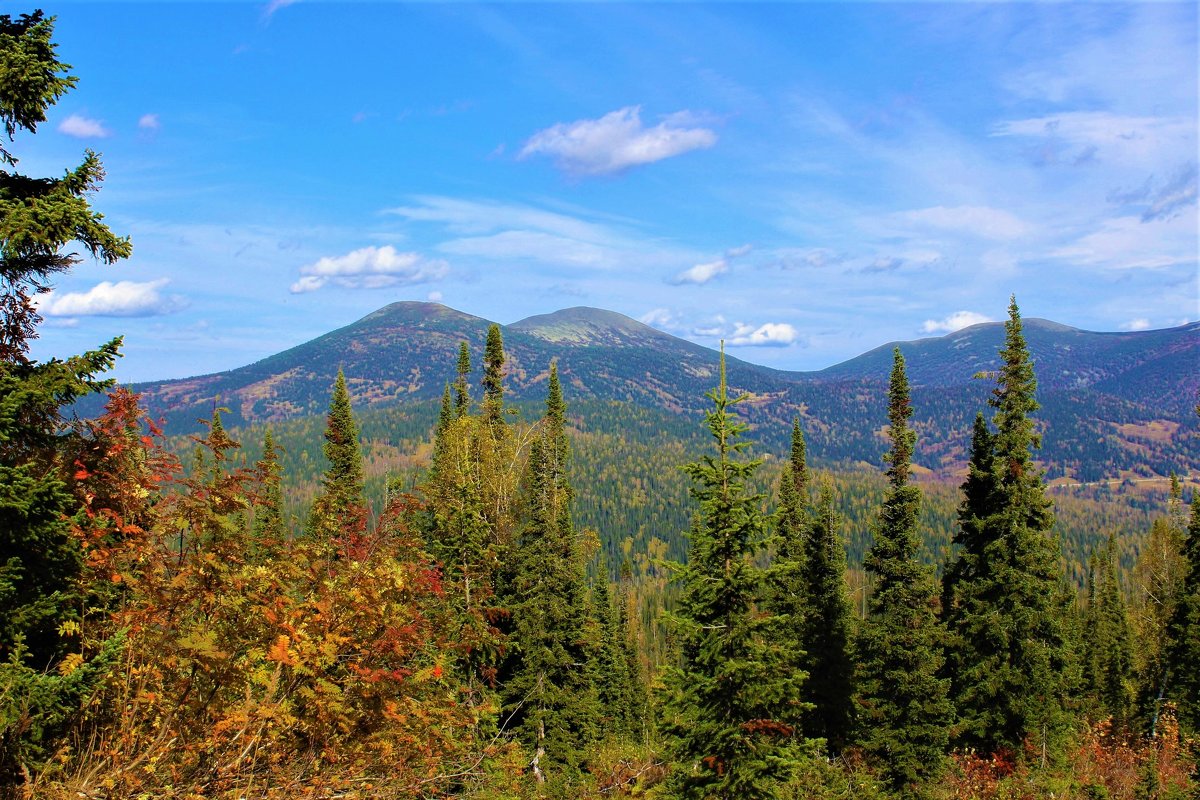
{"x":1109,"y":641}
{"x":828,"y":627}
{"x":342,"y":504}
{"x":724,"y":706}
{"x":1006,"y":606}
{"x":40,"y":559}
{"x":903,"y":707}
{"x":1184,"y":645}
{"x":493,"y":378}
{"x":550,"y":696}
{"x":788,"y":586}
{"x":462,"y":387}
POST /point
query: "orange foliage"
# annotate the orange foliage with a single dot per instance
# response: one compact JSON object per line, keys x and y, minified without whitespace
{"x":252,"y":668}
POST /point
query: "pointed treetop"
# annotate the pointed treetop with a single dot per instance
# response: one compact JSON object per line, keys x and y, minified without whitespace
{"x":493,"y":377}
{"x":899,"y":410}
{"x":556,"y":407}
{"x":462,"y":390}
{"x":799,"y":459}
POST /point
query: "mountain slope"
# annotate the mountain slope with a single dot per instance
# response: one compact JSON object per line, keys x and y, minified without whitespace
{"x":1113,"y":403}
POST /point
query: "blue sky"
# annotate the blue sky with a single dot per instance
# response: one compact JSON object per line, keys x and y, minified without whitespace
{"x":807,"y":181}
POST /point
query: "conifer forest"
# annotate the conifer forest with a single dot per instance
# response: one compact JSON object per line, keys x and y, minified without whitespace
{"x":527,"y":605}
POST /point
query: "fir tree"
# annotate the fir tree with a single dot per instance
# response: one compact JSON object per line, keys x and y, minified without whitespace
{"x":493,"y":378}
{"x":1184,"y":646}
{"x":788,"y":586}
{"x":550,"y":698}
{"x":40,"y":562}
{"x":827,"y":627}
{"x":268,"y":511}
{"x":341,"y":507}
{"x":903,"y":704}
{"x":726,"y":703}
{"x":462,"y":389}
{"x":1011,"y":663}
{"x":1112,"y":640}
{"x":612,"y":677}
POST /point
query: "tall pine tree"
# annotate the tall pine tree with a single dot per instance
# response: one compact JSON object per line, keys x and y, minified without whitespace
{"x":493,"y":378}
{"x":550,"y":698}
{"x":726,"y":703}
{"x":462,"y":389}
{"x":1011,"y":662}
{"x":40,"y":561}
{"x":903,"y":703}
{"x":827,"y":628}
{"x":341,"y":507}
{"x":1184,"y":646}
{"x":787,"y":580}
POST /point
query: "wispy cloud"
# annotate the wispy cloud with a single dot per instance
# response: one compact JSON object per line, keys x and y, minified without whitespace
{"x":980,"y":221}
{"x":149,"y":122}
{"x":1080,"y":137}
{"x":273,"y":6}
{"x":108,"y":299}
{"x":1130,"y":242}
{"x":370,"y":268}
{"x":615,"y":142}
{"x":82,"y":127}
{"x":956,"y":321}
{"x":514,"y":232}
{"x":1178,"y":193}
{"x":1140,"y":324}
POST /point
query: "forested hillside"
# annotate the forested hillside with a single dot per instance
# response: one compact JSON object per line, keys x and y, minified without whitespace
{"x":1114,"y":405}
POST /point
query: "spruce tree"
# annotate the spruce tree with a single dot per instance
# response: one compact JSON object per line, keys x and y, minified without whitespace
{"x":903,"y":703}
{"x":1184,"y":646}
{"x":268,"y":511}
{"x":612,"y":678}
{"x":493,"y":378}
{"x":549,"y":696}
{"x":1112,"y":641}
{"x":1007,"y":609}
{"x":341,"y":506}
{"x":462,"y":389}
{"x":827,"y":628}
{"x":726,"y":703}
{"x":40,"y":562}
{"x":787,"y":580}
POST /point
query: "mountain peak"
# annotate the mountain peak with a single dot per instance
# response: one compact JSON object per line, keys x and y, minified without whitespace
{"x":585,"y":325}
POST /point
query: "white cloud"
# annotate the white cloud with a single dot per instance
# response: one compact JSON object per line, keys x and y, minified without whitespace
{"x":956,"y":321}
{"x":738,"y":252}
{"x":982,"y":221}
{"x":108,"y":299}
{"x":615,"y":142}
{"x":1140,"y":324}
{"x":83,"y":127}
{"x":434,"y":297}
{"x":370,"y":268}
{"x":702,"y":273}
{"x":771,"y":334}
{"x":149,"y":122}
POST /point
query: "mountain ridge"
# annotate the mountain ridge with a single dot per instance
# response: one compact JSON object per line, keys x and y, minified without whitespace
{"x":1107,"y":397}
